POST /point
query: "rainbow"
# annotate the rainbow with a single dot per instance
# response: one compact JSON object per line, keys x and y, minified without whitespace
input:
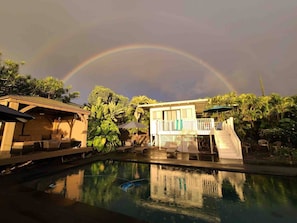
{"x":132,"y":47}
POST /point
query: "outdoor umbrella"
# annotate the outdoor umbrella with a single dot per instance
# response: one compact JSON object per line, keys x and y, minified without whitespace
{"x":132,"y":125}
{"x":10,"y":115}
{"x":218,"y":108}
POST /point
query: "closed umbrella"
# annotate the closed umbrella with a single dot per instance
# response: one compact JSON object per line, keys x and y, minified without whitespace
{"x":10,"y":115}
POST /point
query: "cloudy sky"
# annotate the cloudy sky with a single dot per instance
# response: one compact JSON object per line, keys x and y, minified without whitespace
{"x":164,"y":49}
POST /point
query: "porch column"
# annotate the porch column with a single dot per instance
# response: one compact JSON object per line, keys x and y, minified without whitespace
{"x":85,"y":131}
{"x":211,"y":144}
{"x":8,"y":131}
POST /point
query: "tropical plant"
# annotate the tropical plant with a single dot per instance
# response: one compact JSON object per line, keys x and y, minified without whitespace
{"x":137,"y":113}
{"x":279,"y":106}
{"x":103,"y":133}
{"x":272,"y":117}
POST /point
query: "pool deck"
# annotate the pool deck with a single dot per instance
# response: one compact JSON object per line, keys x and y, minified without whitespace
{"x":19,"y":203}
{"x":246,"y":166}
{"x":8,"y":159}
{"x":142,"y":154}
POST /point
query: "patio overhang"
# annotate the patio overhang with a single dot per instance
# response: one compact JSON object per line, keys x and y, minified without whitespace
{"x":27,"y":103}
{"x":200,"y":104}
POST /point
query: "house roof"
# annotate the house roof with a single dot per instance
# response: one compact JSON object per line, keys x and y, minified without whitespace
{"x":200,"y":104}
{"x":44,"y":103}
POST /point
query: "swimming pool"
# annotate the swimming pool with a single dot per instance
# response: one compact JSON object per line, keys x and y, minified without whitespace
{"x":161,"y":193}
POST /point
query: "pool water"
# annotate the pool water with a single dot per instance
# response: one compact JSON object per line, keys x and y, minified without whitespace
{"x":160,"y":193}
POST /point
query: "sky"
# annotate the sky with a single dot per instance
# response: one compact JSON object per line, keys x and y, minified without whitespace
{"x":165,"y":49}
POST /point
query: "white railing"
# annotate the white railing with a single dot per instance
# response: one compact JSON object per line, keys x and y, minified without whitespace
{"x":228,"y":126}
{"x":203,"y":124}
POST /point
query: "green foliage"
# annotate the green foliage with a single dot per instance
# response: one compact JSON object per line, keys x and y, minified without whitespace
{"x":134,"y":112}
{"x":285,"y":152}
{"x":103,"y":132}
{"x":12,"y":82}
{"x":99,"y":142}
{"x":53,"y":88}
{"x":272,"y":117}
{"x":108,"y":110}
{"x":106,"y":95}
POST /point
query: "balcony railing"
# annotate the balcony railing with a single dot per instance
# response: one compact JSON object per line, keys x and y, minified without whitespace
{"x":196,"y":125}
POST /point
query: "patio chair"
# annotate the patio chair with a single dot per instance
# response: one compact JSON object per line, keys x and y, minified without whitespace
{"x":246,"y":146}
{"x":276,"y":145}
{"x":263,"y":143}
{"x":171,"y":149}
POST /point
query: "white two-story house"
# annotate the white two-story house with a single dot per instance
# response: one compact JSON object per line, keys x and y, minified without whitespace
{"x":183,"y":125}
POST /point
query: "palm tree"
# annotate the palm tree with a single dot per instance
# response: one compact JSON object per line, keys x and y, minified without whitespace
{"x":137,"y":113}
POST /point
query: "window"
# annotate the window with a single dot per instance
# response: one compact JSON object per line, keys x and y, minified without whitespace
{"x":157,"y":115}
{"x":171,"y":115}
{"x":187,"y":113}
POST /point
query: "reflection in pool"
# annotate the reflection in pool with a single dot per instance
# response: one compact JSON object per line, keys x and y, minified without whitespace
{"x":160,"y":193}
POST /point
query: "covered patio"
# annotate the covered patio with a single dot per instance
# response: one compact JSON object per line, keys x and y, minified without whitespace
{"x":56,"y":125}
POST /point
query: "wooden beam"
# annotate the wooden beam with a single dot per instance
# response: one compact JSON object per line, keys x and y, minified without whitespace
{"x":8,"y":131}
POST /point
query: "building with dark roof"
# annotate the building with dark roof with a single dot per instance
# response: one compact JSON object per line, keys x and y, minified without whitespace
{"x":54,"y":121}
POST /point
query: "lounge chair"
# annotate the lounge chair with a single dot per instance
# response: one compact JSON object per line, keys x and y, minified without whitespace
{"x":171,"y":149}
{"x":140,"y":149}
{"x":52,"y":144}
{"x":193,"y":151}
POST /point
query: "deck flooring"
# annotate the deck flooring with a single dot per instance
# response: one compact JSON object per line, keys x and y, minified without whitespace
{"x":7,"y":158}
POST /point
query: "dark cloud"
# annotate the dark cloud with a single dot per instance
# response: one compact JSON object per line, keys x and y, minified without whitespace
{"x":242,"y":40}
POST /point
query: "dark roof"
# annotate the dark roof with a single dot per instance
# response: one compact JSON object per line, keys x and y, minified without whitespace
{"x":10,"y":115}
{"x":200,"y":104}
{"x":44,"y":103}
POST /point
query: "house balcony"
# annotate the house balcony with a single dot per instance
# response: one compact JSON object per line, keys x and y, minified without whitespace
{"x":202,"y":126}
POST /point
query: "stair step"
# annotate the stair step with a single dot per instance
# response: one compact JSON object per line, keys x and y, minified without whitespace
{"x":225,"y":146}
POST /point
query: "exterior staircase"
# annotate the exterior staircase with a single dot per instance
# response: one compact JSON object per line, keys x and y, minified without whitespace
{"x":228,"y":143}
